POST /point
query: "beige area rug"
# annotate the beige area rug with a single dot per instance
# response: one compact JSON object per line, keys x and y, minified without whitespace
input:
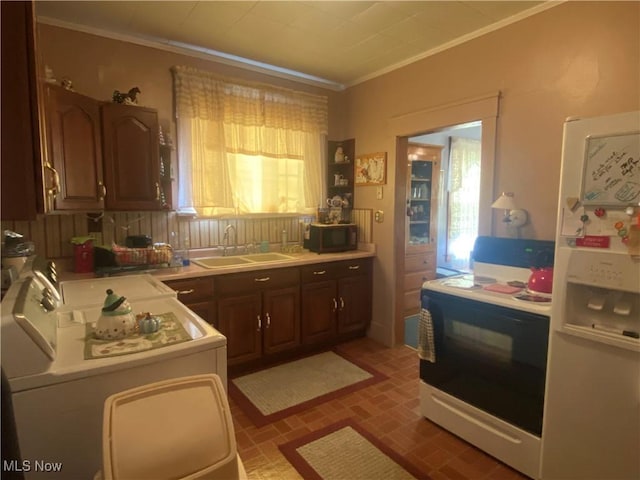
{"x":277,"y":392}
{"x":345,"y":451}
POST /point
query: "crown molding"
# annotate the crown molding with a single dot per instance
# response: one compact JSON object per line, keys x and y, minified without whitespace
{"x":199,"y":52}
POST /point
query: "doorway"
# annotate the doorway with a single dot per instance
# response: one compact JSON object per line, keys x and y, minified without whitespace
{"x":483,"y":109}
{"x":458,"y":202}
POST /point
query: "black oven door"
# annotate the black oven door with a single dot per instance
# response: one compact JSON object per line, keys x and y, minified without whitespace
{"x":489,"y":356}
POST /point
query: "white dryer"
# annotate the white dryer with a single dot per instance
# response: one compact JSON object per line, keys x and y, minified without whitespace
{"x":59,"y":378}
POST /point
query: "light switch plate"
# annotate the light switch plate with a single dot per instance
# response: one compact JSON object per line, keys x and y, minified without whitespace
{"x":379,"y":216}
{"x":379,"y":193}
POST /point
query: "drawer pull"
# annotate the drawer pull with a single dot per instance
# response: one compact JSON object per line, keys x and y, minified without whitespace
{"x":262,"y":279}
{"x":354,"y":267}
{"x":319,"y":272}
{"x":185,"y":292}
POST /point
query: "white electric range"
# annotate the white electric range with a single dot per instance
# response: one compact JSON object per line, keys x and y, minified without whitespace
{"x":483,"y":351}
{"x":59,"y":378}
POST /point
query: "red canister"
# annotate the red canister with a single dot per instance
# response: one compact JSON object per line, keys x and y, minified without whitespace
{"x":82,"y":254}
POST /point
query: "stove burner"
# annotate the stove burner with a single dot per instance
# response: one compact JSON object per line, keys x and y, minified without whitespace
{"x":466,"y":282}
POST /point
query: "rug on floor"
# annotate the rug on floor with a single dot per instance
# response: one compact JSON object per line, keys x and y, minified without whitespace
{"x":278,"y":392}
{"x":346,"y":450}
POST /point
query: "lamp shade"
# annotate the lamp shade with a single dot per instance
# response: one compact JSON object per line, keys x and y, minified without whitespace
{"x":504,"y":202}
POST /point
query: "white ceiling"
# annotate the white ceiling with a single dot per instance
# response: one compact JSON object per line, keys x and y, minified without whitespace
{"x":331,"y":43}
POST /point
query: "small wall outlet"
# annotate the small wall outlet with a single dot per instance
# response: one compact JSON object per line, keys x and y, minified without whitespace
{"x":379,"y":193}
{"x":379,"y":216}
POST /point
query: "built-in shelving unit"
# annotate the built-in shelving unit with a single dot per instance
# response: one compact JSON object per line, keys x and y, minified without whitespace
{"x":340,"y":176}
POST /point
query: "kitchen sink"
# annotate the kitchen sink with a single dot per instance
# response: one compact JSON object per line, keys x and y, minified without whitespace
{"x":267,"y":257}
{"x":214,"y":262}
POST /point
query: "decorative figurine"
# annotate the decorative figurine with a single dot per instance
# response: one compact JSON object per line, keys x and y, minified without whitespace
{"x":67,"y":84}
{"x":116,"y":320}
{"x":149,"y":324}
{"x":129,"y":98}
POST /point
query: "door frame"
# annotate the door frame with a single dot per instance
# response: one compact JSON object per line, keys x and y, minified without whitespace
{"x":485,"y":109}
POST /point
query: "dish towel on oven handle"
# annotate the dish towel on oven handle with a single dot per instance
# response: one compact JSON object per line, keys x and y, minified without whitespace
{"x":426,"y":345}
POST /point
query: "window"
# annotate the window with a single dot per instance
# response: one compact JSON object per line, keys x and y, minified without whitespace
{"x":464,"y":200}
{"x":247,"y":148}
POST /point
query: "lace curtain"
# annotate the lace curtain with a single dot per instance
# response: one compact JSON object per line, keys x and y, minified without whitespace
{"x":247,"y":148}
{"x":464,"y":200}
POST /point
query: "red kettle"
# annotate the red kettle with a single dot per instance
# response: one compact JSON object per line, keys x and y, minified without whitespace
{"x":541,"y":280}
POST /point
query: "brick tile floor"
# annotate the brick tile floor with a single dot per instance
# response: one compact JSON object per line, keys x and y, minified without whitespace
{"x":389,"y":409}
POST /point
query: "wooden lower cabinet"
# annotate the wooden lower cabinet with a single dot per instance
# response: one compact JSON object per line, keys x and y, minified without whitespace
{"x":267,"y":315}
{"x":259,"y":313}
{"x":198,"y":295}
{"x":336,"y":300}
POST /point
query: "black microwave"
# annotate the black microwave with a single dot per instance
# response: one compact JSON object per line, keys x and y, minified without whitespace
{"x":326,"y":238}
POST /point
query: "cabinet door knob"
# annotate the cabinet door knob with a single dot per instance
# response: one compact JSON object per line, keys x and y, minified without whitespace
{"x":259,"y":323}
{"x":335,"y":304}
{"x":262,"y":279}
{"x":341,"y":303}
{"x":268,"y":320}
{"x":158,"y":191}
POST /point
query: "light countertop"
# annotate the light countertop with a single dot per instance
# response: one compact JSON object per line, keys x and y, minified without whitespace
{"x":193,"y":270}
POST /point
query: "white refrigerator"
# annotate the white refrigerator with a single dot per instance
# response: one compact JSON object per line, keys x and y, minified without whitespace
{"x":591,"y":426}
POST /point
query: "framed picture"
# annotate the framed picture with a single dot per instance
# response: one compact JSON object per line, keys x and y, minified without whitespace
{"x":371,"y":169}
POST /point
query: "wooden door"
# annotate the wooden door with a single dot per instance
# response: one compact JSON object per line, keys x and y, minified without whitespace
{"x":131,"y":157}
{"x":281,"y":319}
{"x":75,"y":147}
{"x":239,"y":319}
{"x":319,"y":307}
{"x":354,"y":303}
{"x":21,"y":174}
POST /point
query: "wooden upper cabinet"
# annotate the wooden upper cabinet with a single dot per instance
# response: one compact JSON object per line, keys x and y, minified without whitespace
{"x":75,"y":149}
{"x":131,"y":157}
{"x":21,"y":173}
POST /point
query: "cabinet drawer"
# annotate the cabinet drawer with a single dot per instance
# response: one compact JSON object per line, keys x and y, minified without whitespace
{"x":333,"y":270}
{"x":412,"y":300}
{"x":318,"y":272}
{"x":420,"y":262}
{"x":414,"y":281}
{"x":193,"y":289}
{"x":258,"y":279}
{"x":348,"y":268}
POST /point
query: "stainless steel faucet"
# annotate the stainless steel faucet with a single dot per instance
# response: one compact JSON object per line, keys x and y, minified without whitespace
{"x":225,"y":239}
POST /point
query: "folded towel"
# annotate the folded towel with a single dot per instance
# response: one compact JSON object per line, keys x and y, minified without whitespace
{"x":426,"y":346}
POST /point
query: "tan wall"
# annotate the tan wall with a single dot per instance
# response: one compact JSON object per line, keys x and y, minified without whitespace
{"x":576,"y":59}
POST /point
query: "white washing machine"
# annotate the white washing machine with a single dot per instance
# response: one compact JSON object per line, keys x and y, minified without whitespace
{"x":59,"y":378}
